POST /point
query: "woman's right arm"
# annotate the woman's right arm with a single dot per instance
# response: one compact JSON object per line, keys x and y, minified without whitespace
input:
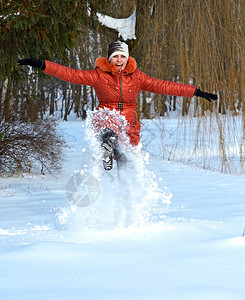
{"x":62,"y":72}
{"x":69,"y":74}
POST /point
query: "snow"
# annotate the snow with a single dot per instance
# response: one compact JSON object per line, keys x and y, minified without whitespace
{"x":183,"y":243}
{"x":124,"y":26}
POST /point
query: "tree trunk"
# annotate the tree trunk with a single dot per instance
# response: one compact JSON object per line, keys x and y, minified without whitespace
{"x":93,"y":98}
{"x":146,"y":107}
{"x":51,"y":105}
{"x":8,"y":100}
{"x":84,"y":102}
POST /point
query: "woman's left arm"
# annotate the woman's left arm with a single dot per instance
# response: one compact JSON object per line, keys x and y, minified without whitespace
{"x":159,"y":86}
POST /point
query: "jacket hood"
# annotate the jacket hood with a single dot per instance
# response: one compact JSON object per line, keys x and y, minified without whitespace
{"x":103,"y":64}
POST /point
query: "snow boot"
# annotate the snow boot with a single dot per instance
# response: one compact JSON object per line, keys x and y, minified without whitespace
{"x":107,"y":155}
{"x":109,"y":141}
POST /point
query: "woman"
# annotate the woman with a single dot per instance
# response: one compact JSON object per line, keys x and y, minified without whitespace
{"x":117,"y":82}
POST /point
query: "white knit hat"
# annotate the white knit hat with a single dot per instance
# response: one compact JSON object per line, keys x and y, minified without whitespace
{"x":116,"y":48}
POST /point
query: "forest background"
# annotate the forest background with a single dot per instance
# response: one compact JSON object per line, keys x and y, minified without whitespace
{"x":200,"y":42}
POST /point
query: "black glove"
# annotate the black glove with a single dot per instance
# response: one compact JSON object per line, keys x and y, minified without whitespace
{"x":33,"y":63}
{"x":205,"y":95}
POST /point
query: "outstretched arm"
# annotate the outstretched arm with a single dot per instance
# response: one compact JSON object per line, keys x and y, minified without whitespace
{"x":62,"y":72}
{"x":159,"y":86}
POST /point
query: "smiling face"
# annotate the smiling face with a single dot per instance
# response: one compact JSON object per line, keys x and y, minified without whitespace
{"x":120,"y":61}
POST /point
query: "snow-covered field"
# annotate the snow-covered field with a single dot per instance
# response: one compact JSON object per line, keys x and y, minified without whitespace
{"x":184,"y":241}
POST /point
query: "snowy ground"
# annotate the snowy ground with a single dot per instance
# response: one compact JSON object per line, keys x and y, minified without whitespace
{"x":191,"y":248}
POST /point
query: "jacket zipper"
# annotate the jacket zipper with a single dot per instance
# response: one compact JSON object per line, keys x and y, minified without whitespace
{"x":120,"y":105}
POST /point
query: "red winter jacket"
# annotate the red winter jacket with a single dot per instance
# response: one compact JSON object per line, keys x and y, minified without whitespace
{"x":113,"y":87}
